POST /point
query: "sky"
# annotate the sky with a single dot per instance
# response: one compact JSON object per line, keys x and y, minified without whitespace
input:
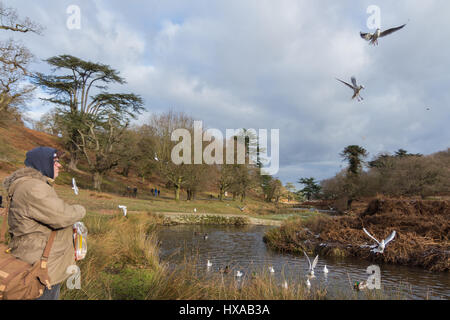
{"x":269,"y":64}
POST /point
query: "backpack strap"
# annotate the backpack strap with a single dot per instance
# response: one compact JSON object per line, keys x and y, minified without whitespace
{"x":50,"y":240}
{"x":5,"y":219}
{"x":47,"y":249}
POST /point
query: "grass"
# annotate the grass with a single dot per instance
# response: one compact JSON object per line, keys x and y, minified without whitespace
{"x":123,"y":263}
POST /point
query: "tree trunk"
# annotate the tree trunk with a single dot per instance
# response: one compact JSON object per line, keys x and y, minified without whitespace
{"x":177,"y":193}
{"x":221,"y":193}
{"x":73,"y":162}
{"x":98,"y":181}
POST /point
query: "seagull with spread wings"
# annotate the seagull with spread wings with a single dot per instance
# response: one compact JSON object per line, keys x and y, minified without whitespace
{"x":354,"y":86}
{"x":74,"y":186}
{"x":311,"y":266}
{"x":124,"y":210}
{"x":381,"y":245}
{"x":373,"y":37}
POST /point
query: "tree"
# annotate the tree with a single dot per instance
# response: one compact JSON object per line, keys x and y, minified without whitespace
{"x":225,"y":179}
{"x":272,"y":188}
{"x":354,"y":154}
{"x":97,"y":145}
{"x":311,"y":189}
{"x":14,"y":61}
{"x":290,"y":188}
{"x":401,"y":153}
{"x":70,"y":92}
{"x":162,"y":127}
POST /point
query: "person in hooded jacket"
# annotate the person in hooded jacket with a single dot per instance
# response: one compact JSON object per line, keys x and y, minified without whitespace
{"x":36,"y":210}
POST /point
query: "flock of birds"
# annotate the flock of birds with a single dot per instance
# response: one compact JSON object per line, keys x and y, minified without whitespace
{"x":373,"y":40}
{"x":377,"y":248}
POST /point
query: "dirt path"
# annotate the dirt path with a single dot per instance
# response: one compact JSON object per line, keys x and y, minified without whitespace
{"x":252,"y":220}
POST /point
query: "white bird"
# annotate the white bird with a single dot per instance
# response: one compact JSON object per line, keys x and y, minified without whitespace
{"x":325,"y":270}
{"x":195,"y":210}
{"x":241,"y":208}
{"x":381,"y":245}
{"x":356,"y":89}
{"x":373,"y":37}
{"x":124,"y":209}
{"x":209,"y":264}
{"x":156,"y":157}
{"x":311,"y":266}
{"x":74,"y":186}
{"x":239,"y":274}
{"x":308,"y":284}
{"x":285,"y":284}
{"x":271,"y":270}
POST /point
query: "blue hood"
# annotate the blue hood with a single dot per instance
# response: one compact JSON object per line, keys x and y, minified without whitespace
{"x":41,"y":159}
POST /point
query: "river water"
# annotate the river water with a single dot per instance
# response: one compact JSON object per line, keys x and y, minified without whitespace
{"x":242,"y":248}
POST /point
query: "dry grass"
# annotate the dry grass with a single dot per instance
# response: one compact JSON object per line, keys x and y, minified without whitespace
{"x":422,"y":240}
{"x":123,"y":263}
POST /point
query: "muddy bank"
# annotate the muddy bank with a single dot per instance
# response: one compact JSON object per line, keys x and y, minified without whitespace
{"x":422,"y":239}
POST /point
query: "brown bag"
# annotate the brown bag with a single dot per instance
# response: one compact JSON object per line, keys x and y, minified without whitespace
{"x":20,"y":280}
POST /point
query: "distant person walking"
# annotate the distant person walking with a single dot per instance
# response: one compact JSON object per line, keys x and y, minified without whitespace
{"x":158,"y":192}
{"x":135,"y":190}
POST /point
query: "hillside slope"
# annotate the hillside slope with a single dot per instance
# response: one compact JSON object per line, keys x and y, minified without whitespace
{"x":15,"y":141}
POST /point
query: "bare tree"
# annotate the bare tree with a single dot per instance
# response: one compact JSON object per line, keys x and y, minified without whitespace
{"x":14,"y":61}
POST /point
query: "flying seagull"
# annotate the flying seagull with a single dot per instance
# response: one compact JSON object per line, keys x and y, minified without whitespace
{"x":311,"y":266}
{"x":74,"y":186}
{"x":356,"y":89}
{"x":381,"y":245}
{"x":124,"y":209}
{"x":373,"y":37}
{"x":241,"y":208}
{"x":239,"y":274}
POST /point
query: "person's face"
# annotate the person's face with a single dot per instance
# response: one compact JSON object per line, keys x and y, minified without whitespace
{"x":56,"y":168}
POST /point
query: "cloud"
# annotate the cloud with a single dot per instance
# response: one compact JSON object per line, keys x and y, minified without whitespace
{"x":272,"y":64}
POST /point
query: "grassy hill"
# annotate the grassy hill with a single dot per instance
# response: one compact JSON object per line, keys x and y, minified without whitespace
{"x":16,"y":140}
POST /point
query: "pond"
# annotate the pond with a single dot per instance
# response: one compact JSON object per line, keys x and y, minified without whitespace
{"x":243,"y":249}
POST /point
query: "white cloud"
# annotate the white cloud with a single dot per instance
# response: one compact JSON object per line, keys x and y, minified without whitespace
{"x":273,"y":64}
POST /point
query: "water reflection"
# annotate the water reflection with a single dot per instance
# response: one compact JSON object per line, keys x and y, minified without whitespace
{"x":242,"y":249}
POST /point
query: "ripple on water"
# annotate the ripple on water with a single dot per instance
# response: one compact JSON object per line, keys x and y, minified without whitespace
{"x":242,"y":248}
